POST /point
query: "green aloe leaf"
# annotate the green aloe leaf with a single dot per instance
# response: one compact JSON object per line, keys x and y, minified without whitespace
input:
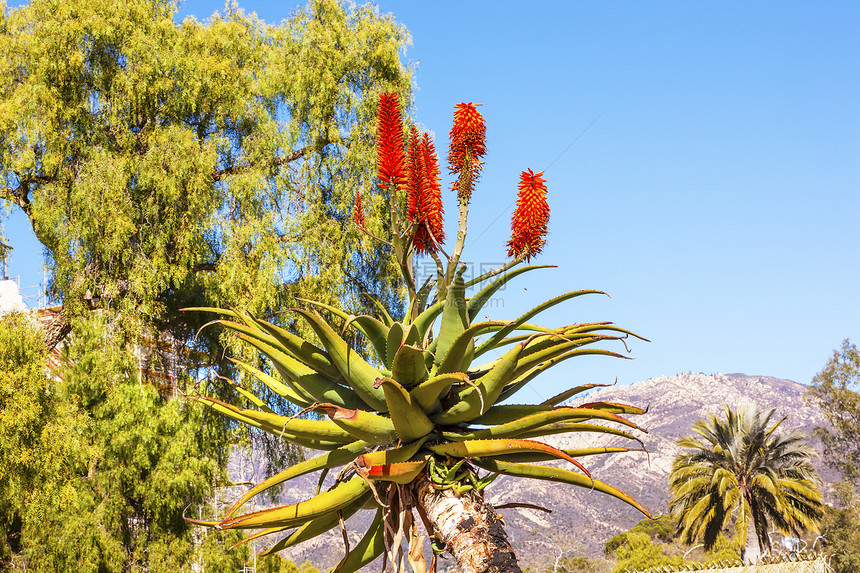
{"x":383,"y":312}
{"x":472,"y":401}
{"x":328,"y":460}
{"x":503,"y":413}
{"x":493,"y":448}
{"x":454,"y":359}
{"x":355,"y":370}
{"x":317,"y":526}
{"x":429,"y":393}
{"x":393,"y":343}
{"x":424,"y":321}
{"x":410,"y":365}
{"x":361,"y":424}
{"x":454,"y":317}
{"x":273,"y":383}
{"x":419,"y":301}
{"x":557,"y":475}
{"x":500,"y":335}
{"x":339,"y":497}
{"x":532,"y":457}
{"x":372,"y":328}
{"x":410,"y":421}
{"x":275,"y":424}
{"x":532,"y":422}
{"x":567,"y":394}
{"x":398,"y":472}
{"x":305,"y":381}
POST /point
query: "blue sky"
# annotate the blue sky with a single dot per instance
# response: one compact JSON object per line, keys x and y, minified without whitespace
{"x":713,"y":182}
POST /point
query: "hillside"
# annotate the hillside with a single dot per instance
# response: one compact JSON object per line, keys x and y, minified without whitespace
{"x":582,"y":520}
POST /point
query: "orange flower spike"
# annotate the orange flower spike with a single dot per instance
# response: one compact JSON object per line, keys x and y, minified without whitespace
{"x":390,"y":156}
{"x":468,"y":146}
{"x":358,"y":211}
{"x":430,"y":205}
{"x":531,"y":217}
{"x":414,"y":177}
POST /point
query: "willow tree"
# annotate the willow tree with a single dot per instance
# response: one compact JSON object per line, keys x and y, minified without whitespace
{"x":161,"y":165}
{"x":165,"y":164}
{"x":416,"y":429}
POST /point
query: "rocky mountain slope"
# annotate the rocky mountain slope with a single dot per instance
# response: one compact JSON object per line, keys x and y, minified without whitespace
{"x":581,"y":521}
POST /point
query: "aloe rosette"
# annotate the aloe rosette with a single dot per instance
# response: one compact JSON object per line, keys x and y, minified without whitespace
{"x":433,"y":400}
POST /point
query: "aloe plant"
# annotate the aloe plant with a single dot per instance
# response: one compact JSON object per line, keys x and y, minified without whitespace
{"x":424,"y":424}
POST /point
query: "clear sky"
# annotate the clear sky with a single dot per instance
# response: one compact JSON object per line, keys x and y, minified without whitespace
{"x":702,"y":159}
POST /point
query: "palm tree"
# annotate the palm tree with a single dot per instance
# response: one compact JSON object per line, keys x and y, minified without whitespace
{"x":741,"y":467}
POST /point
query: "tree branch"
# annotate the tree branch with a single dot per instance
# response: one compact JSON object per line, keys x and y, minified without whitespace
{"x":276,"y":162}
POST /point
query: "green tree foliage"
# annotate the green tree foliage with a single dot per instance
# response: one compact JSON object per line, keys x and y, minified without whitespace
{"x":164,"y":165}
{"x":741,"y":468}
{"x":94,"y":471}
{"x":835,"y":390}
{"x":665,"y":546}
{"x":663,"y":528}
{"x":841,"y":531}
{"x":640,"y":552}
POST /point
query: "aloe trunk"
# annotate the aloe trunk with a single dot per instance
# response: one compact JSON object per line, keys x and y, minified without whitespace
{"x":468,"y":527}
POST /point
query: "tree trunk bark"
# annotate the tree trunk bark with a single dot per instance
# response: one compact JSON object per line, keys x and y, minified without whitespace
{"x":751,"y":553}
{"x":470,"y":529}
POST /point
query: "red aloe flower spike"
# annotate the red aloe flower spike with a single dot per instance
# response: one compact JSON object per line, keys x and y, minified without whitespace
{"x":415,"y":177}
{"x":358,"y":211}
{"x":530,"y":219}
{"x":430,"y":208}
{"x":390,"y":156}
{"x":468,"y":146}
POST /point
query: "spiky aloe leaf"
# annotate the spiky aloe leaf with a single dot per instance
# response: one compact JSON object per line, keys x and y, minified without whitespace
{"x":500,"y":335}
{"x":557,"y":475}
{"x":304,"y":380}
{"x":570,"y":393}
{"x":317,"y":526}
{"x":454,"y":317}
{"x":252,"y":398}
{"x":410,"y":365}
{"x":472,"y":401}
{"x":309,"y":433}
{"x":454,"y":360}
{"x":424,"y":321}
{"x":613,"y":407}
{"x":274,"y":384}
{"x":340,"y":496}
{"x":394,"y":341}
{"x":329,"y":460}
{"x":570,"y":427}
{"x":480,"y":298}
{"x":383,"y":312}
{"x":355,"y":370}
{"x":532,"y":457}
{"x":287,"y":342}
{"x":504,"y":413}
{"x":494,"y":448}
{"x":372,"y":328}
{"x":369,"y":548}
{"x":534,"y":422}
{"x":419,"y":301}
{"x":410,"y":421}
{"x":398,"y":472}
{"x":429,"y":393}
{"x":361,"y":424}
